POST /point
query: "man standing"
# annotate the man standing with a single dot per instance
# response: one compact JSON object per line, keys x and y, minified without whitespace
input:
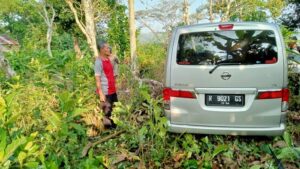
{"x":105,"y":82}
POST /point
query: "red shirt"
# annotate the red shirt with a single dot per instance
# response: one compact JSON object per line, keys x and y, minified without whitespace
{"x":109,"y":73}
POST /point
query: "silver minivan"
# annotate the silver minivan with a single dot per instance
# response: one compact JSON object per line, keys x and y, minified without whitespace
{"x":226,"y":78}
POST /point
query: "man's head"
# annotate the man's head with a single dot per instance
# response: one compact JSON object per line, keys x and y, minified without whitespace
{"x":104,"y":48}
{"x":292,"y":45}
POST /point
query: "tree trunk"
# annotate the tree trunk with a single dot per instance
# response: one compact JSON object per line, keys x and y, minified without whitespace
{"x":4,"y":65}
{"x":211,"y":17}
{"x":49,"y":23}
{"x":225,"y":18}
{"x":186,"y":17}
{"x":89,"y":29}
{"x":77,"y":48}
{"x":132,"y":37}
{"x":49,"y":40}
{"x":241,"y":13}
{"x":90,"y":25}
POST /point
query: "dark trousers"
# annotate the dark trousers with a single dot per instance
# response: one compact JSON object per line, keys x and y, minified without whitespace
{"x":107,"y":106}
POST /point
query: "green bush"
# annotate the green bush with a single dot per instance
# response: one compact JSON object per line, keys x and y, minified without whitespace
{"x":294,"y":86}
{"x":47,"y":99}
{"x":151,"y":59}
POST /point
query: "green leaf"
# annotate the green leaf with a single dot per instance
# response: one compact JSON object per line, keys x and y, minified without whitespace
{"x":287,"y":138}
{"x":33,"y":135}
{"x":52,"y":164}
{"x":2,"y":106}
{"x":10,"y":149}
{"x":219,"y":149}
{"x":287,"y":153}
{"x":6,"y":165}
{"x":78,"y":112}
{"x":265,"y":148}
{"x":28,"y":145}
{"x":1,"y":155}
{"x":191,"y":164}
{"x":141,"y":133}
{"x":205,"y":140}
{"x":12,"y":119}
{"x":3,"y":141}
{"x":256,"y":166}
{"x":77,"y":127}
{"x":67,"y":102}
{"x":33,"y":149}
{"x":240,"y":34}
{"x":41,"y":157}
{"x":32,"y":164}
{"x":207,"y":165}
{"x":54,"y":120}
{"x":22,"y":155}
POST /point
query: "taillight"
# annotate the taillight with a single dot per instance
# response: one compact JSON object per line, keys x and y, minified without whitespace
{"x":270,"y":95}
{"x":226,"y":26}
{"x":283,"y":94}
{"x":285,"y":99}
{"x":168,"y":93}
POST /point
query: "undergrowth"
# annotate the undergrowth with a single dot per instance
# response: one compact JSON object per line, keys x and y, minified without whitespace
{"x":49,"y":113}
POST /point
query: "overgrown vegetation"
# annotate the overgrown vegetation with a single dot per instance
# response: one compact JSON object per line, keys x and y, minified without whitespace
{"x":50,"y":116}
{"x":49,"y":111}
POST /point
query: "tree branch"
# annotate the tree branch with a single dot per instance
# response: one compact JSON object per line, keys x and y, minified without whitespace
{"x":46,"y":13}
{"x":53,"y":14}
{"x":79,"y":23}
{"x":147,"y":26}
{"x":90,"y":144}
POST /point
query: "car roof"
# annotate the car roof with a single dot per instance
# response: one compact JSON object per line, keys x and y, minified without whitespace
{"x":239,"y":25}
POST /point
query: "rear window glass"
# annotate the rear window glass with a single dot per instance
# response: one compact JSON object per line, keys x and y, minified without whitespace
{"x":241,"y":46}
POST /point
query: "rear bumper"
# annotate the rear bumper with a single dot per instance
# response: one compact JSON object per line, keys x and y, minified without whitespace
{"x":272,"y":131}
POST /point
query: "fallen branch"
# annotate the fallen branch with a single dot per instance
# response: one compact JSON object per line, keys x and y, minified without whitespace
{"x":155,"y":86}
{"x":90,"y":144}
{"x":153,"y":82}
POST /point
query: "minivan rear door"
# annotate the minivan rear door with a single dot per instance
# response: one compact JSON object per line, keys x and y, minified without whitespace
{"x":226,"y":68}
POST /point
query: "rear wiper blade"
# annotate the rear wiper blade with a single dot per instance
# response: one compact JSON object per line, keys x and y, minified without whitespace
{"x":222,"y":64}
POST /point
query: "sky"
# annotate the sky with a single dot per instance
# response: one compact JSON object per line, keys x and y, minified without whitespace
{"x":143,"y":4}
{"x":193,"y":4}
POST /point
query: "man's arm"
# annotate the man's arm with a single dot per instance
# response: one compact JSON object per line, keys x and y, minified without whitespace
{"x":98,"y":73}
{"x":116,"y":66}
{"x":99,"y":89}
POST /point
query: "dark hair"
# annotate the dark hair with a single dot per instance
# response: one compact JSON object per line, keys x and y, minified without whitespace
{"x":100,"y":44}
{"x":294,"y":38}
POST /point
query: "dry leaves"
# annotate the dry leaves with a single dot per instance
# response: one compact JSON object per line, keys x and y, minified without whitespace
{"x":94,"y":122}
{"x":125,"y":155}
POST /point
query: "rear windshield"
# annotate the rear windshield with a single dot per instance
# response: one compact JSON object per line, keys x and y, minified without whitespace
{"x":240,"y":46}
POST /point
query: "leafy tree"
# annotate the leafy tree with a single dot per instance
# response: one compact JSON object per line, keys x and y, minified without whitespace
{"x":291,"y":14}
{"x":66,"y":24}
{"x":242,"y":10}
{"x":93,"y":17}
{"x":168,"y":13}
{"x":118,"y":28}
{"x":19,"y":17}
{"x":87,"y":23}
